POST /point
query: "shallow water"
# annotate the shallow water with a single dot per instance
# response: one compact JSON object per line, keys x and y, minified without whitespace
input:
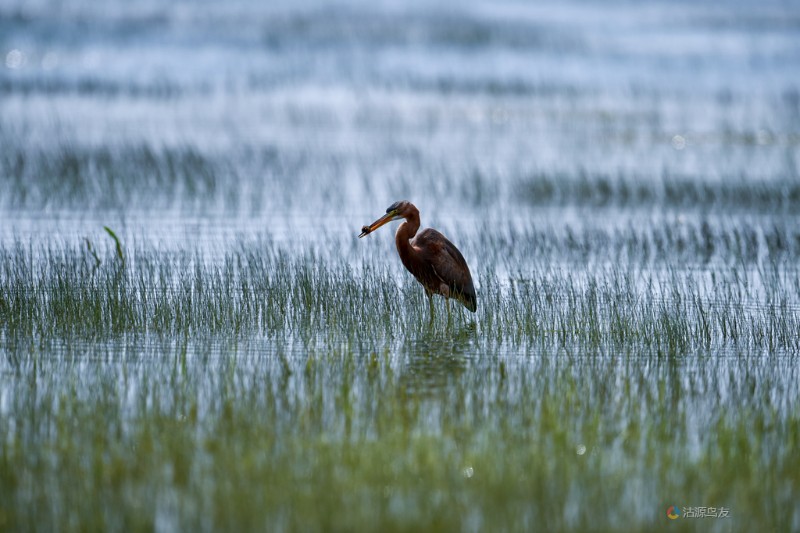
{"x":563,"y":146}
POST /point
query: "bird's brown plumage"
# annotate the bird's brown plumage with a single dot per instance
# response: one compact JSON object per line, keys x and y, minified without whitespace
{"x":429,"y":256}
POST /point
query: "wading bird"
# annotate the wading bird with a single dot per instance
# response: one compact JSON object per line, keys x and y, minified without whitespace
{"x":430,"y":257}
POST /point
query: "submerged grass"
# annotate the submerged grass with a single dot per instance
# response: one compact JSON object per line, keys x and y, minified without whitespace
{"x":240,"y":436}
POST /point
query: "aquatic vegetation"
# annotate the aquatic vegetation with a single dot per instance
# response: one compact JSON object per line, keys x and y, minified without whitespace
{"x":134,"y":434}
{"x":253,"y":290}
{"x":622,"y":179}
{"x":272,"y":388}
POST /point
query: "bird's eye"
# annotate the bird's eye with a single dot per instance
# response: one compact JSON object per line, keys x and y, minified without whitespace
{"x":393,"y":207}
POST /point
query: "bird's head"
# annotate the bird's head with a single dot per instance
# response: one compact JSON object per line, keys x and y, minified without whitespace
{"x":396,"y":211}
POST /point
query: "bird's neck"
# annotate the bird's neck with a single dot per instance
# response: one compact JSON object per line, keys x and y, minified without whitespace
{"x":404,"y":234}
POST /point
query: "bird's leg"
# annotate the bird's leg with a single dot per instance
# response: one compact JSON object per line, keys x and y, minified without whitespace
{"x":430,"y":301}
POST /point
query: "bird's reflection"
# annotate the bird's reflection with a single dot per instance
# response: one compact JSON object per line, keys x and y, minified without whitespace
{"x":436,"y":359}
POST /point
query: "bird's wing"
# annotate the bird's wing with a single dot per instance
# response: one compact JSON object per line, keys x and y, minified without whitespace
{"x":448,"y":264}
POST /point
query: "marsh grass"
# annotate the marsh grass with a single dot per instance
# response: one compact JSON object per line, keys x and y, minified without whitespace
{"x":268,"y":387}
{"x":61,"y":292}
{"x":670,"y":191}
{"x":131,"y":178}
{"x":275,"y":389}
{"x":240,"y":436}
{"x":106,"y":178}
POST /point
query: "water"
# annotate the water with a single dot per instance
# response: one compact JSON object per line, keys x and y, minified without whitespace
{"x":563,"y":146}
{"x":275,"y":115}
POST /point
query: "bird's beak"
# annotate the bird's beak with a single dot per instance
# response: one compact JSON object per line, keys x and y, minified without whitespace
{"x":388,"y":217}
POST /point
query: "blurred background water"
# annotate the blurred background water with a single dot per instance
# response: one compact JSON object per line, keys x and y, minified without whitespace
{"x":205,"y":120}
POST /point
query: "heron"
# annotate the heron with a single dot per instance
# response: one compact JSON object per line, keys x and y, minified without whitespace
{"x":429,"y":256}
